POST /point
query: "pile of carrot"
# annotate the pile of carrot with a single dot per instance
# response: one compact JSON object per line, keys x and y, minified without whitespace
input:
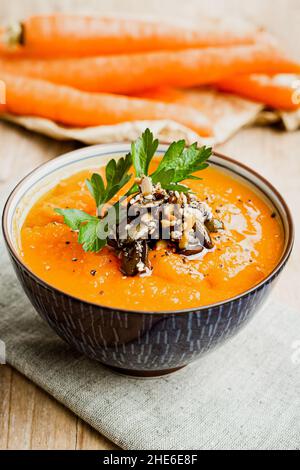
{"x":85,"y":71}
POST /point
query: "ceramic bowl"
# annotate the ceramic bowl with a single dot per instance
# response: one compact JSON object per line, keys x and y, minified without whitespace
{"x":133,"y":342}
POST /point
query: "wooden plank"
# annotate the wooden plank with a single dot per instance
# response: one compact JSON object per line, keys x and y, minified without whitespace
{"x":89,"y":439}
{"x":5,"y":403}
{"x":53,"y":425}
{"x":22,"y":400}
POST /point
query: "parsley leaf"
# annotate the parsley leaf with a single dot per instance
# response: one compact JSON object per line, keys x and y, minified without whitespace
{"x":74,"y":218}
{"x":88,"y":227}
{"x":116,"y":176}
{"x":142,"y":151}
{"x":96,"y":188}
{"x":89,"y":236}
{"x":166,"y":179}
{"x":179,"y":163}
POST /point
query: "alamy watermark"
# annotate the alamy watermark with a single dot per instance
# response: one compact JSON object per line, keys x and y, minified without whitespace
{"x":2,"y":92}
{"x":296,"y":94}
{"x":2,"y":352}
{"x":296,"y":354}
{"x":125,"y":221}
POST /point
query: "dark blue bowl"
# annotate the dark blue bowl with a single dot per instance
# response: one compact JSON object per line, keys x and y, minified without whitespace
{"x":132,"y":342}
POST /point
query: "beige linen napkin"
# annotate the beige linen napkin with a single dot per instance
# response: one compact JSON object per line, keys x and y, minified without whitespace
{"x":245,"y":395}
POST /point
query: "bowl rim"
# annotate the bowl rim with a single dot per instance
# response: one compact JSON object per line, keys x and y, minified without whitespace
{"x":281,"y":263}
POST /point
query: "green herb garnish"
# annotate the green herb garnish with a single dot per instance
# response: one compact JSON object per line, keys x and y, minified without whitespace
{"x":117,"y":176}
{"x":87,"y":225}
{"x":142,"y":151}
{"x":178,"y":164}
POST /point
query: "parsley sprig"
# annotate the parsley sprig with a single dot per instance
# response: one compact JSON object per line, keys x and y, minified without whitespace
{"x":178,"y":164}
{"x":117,"y":177}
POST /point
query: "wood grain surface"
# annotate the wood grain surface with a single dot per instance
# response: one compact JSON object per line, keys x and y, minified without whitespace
{"x":29,"y":418}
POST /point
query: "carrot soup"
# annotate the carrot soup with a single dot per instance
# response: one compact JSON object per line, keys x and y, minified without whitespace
{"x":236,"y":254}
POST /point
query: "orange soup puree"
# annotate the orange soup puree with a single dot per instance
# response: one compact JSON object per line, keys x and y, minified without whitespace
{"x":244,"y":254}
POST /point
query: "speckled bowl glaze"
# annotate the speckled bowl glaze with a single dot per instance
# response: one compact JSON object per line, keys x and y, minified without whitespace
{"x":132,"y":342}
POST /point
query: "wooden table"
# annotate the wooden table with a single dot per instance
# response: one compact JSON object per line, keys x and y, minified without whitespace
{"x":29,"y":418}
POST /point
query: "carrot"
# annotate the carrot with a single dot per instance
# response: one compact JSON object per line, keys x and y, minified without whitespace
{"x":185,"y":96}
{"x":27,"y":96}
{"x":211,"y":105}
{"x":73,"y":35}
{"x":277,"y":91}
{"x":127,"y":74}
{"x":2,"y":93}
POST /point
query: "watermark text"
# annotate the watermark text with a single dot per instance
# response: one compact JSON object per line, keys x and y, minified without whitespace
{"x":296,"y":354}
{"x":2,"y":92}
{"x":2,"y":352}
{"x":296,"y":94}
